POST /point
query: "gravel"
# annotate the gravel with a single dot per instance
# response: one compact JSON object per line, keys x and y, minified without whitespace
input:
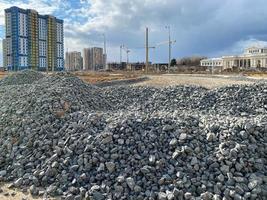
{"x":80,"y":141}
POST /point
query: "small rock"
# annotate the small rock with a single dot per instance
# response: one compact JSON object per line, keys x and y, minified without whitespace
{"x":121,"y":141}
{"x":3,"y":173}
{"x":225,"y":169}
{"x":98,"y":196}
{"x":187,"y":195}
{"x":168,"y":128}
{"x":162,"y":196}
{"x":145,"y":170}
{"x":107,"y":139}
{"x":137,"y":189}
{"x":130,"y":182}
{"x":173,"y":142}
{"x":194,"y":161}
{"x":110,"y":166}
{"x":69,"y":197}
{"x":252,"y":184}
{"x":51,"y":190}
{"x":33,"y":190}
{"x":101,"y":167}
{"x":120,"y":179}
{"x":78,"y":197}
{"x":211,"y":137}
{"x":221,"y":178}
{"x":152,"y":159}
{"x":13,"y":194}
{"x":183,"y":137}
{"x":18,"y":182}
{"x":206,"y":196}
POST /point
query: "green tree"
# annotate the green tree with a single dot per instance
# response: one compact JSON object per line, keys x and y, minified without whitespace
{"x":173,"y":62}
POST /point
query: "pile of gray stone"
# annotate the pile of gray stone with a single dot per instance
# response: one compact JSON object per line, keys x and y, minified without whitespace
{"x":62,"y":137}
{"x":22,"y":77}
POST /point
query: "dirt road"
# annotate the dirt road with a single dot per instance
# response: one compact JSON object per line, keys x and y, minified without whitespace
{"x":208,"y":81}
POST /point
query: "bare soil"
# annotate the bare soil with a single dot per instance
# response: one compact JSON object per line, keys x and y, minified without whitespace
{"x":207,"y":81}
{"x":16,"y":194}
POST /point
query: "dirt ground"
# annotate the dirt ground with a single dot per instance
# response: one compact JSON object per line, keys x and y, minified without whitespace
{"x":208,"y":81}
{"x":15,"y":194}
{"x":161,"y":80}
{"x":96,"y":77}
{"x":2,"y":74}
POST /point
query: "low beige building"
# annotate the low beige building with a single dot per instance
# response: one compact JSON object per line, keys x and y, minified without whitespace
{"x":253,"y":57}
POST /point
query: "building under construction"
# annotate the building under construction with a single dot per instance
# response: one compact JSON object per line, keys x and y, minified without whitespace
{"x":93,"y":59}
{"x":33,"y":41}
{"x":74,"y":61}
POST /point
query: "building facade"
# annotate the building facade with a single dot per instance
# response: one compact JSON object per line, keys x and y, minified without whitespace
{"x":98,"y":58}
{"x":4,"y":53}
{"x":253,"y":57}
{"x":74,"y":61}
{"x":93,"y":59}
{"x":33,"y":41}
{"x":87,"y":64}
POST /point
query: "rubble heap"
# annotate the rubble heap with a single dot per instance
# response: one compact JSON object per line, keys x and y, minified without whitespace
{"x":62,"y":137}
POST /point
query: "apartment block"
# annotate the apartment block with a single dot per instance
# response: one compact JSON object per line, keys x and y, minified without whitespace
{"x":33,"y":41}
{"x":74,"y":61}
{"x":4,"y":52}
{"x":93,"y":59}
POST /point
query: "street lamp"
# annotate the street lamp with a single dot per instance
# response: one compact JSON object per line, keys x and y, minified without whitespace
{"x":105,"y":49}
{"x":169,"y":64}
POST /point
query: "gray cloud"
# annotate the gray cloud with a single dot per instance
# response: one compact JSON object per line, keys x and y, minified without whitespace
{"x":206,"y":27}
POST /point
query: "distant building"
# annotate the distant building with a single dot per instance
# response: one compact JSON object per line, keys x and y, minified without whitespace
{"x":253,"y":57}
{"x":117,"y":66}
{"x":137,"y":66}
{"x":160,"y":66}
{"x":4,"y":53}
{"x":97,"y":58}
{"x":74,"y":61}
{"x":87,"y":65}
{"x":93,"y":59}
{"x":33,"y":41}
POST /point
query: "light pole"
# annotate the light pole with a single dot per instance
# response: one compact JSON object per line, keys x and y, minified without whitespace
{"x":169,"y":64}
{"x":105,"y":49}
{"x":127,"y":51}
{"x":147,"y":50}
{"x":121,"y":47}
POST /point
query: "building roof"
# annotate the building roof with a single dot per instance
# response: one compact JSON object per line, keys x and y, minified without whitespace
{"x":31,"y":10}
{"x":211,"y":59}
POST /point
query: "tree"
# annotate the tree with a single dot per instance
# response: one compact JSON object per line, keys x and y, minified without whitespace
{"x":173,"y":62}
{"x":190,"y":61}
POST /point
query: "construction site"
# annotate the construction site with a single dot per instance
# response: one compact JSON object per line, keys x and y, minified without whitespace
{"x":103,"y":104}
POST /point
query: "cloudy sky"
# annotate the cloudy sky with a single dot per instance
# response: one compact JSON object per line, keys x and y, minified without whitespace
{"x":200,"y":27}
